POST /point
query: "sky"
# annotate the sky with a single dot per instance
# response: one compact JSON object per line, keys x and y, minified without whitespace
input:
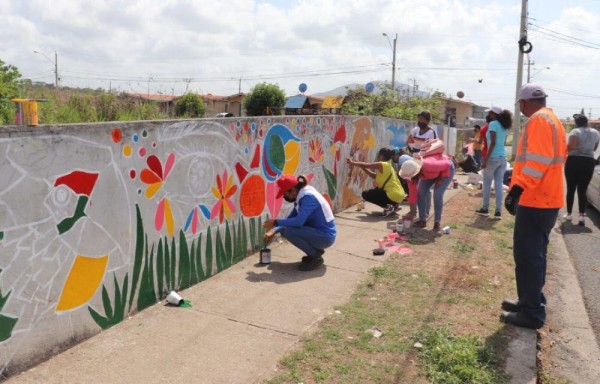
{"x":221,"y":47}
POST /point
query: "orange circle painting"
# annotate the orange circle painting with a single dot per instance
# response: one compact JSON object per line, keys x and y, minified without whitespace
{"x":117,"y":135}
{"x":252,"y":196}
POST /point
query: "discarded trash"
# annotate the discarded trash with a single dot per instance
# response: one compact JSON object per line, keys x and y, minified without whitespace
{"x":391,"y":238}
{"x":418,"y":345}
{"x":338,"y":312}
{"x":415,"y":276}
{"x":446,"y":229}
{"x":375,"y":332}
{"x":174,"y":298}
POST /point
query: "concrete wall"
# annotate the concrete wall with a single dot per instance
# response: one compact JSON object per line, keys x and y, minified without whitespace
{"x":99,"y":221}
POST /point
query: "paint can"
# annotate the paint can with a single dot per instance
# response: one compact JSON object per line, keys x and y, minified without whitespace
{"x":174,"y":298}
{"x":265,"y":256}
{"x":407,"y":223}
{"x":480,"y":185}
{"x":446,"y":229}
{"x":399,"y":227}
{"x":455,"y":183}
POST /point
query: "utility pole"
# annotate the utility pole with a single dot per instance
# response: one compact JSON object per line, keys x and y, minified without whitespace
{"x":240,"y":86}
{"x":55,"y":69}
{"x":393,"y":85}
{"x":394,"y":64}
{"x":522,"y":44}
{"x":529,"y":64}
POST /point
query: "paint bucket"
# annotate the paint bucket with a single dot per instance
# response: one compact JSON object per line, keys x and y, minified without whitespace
{"x":446,"y":229}
{"x":265,"y":256}
{"x":455,"y":183}
{"x":399,"y":227}
{"x":480,"y":185}
{"x":174,"y":298}
{"x":406,"y":224}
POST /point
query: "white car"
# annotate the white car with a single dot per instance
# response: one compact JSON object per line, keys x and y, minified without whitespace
{"x":593,"y":191}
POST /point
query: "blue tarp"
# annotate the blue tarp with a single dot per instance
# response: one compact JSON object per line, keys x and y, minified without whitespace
{"x":295,"y":101}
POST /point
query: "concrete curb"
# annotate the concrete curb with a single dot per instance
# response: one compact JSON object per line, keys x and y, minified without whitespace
{"x":570,"y":330}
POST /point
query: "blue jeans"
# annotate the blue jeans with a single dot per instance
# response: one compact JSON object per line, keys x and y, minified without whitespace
{"x":496,"y":166}
{"x":424,"y":196}
{"x":530,"y":244}
{"x":477,"y":157}
{"x":308,"y":239}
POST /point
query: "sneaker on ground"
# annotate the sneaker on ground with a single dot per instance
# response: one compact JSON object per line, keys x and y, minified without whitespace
{"x":498,"y":215}
{"x":581,"y":221}
{"x":388,"y":210}
{"x":567,"y":216}
{"x":482,"y":212}
{"x":311,"y":264}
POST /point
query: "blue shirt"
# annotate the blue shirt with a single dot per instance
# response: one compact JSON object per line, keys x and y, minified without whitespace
{"x":501,"y":132}
{"x":310,"y":215}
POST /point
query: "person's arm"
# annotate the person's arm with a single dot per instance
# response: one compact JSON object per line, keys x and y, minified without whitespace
{"x":272,"y":226}
{"x":370,"y":168}
{"x":490,"y":149}
{"x":573,"y":142}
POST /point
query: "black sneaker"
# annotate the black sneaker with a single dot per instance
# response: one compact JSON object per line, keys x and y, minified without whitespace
{"x":498,"y":215}
{"x":482,"y":212}
{"x":306,"y":259}
{"x":311,"y":263}
{"x":387,"y":211}
{"x":511,"y":305}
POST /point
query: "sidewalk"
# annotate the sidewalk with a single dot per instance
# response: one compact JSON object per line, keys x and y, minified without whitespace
{"x":242,"y":322}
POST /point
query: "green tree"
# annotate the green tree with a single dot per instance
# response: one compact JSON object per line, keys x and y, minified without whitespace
{"x":9,"y":89}
{"x":264,"y":99}
{"x":389,"y":104}
{"x":190,"y":105}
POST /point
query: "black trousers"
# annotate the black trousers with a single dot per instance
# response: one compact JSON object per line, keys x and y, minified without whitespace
{"x":377,"y":196}
{"x":578,"y":172}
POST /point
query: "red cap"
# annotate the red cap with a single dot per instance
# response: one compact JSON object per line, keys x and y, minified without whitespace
{"x":285,"y":183}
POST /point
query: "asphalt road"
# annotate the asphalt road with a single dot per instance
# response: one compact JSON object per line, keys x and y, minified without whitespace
{"x":583,"y":244}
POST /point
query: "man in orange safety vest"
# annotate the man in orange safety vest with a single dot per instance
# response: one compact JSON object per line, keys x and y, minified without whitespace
{"x":535,"y":197}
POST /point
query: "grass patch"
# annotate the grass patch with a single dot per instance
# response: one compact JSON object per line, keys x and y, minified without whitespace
{"x":452,"y":283}
{"x":458,"y":359}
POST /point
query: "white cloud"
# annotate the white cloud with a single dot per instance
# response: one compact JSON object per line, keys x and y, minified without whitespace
{"x":215,"y":43}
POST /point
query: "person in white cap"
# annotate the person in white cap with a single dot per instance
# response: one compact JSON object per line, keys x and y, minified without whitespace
{"x":535,"y":197}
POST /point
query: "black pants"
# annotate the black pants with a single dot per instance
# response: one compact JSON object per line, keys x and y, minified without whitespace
{"x":578,"y":172}
{"x":377,"y":196}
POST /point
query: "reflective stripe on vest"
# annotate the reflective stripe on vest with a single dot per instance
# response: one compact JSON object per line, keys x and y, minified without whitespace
{"x":524,"y":156}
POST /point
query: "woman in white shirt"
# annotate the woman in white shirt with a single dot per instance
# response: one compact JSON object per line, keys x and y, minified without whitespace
{"x":421,"y":132}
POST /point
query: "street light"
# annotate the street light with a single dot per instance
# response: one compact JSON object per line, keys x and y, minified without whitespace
{"x":393,"y":58}
{"x":55,"y":62}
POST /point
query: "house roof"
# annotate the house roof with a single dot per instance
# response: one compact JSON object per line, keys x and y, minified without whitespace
{"x":295,"y":101}
{"x":153,"y":97}
{"x":332,"y":102}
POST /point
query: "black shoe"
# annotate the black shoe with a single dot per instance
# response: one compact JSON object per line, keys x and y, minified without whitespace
{"x":520,"y":320}
{"x":482,"y":212}
{"x":306,"y":259}
{"x":498,"y":215}
{"x":311,"y":263}
{"x":511,"y":305}
{"x":387,"y":211}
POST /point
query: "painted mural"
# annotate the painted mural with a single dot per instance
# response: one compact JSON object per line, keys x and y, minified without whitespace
{"x":98,"y":222}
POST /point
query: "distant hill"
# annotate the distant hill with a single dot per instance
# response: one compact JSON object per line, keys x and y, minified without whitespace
{"x":404,"y":90}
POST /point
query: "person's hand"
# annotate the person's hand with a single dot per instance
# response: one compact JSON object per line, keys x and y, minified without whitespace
{"x":484,"y":164}
{"x":349,"y":161}
{"x":408,"y":216}
{"x":268,"y":236}
{"x":512,"y":199}
{"x":268,"y":224}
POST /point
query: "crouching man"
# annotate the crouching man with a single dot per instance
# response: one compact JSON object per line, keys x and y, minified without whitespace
{"x":310,"y":226}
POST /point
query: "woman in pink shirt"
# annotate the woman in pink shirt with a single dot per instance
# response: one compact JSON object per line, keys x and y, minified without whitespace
{"x":422,"y":174}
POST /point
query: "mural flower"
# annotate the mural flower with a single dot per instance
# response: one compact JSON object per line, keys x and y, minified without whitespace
{"x":155,"y":175}
{"x":315,"y":151}
{"x":164,"y":216}
{"x":223,"y":192}
{"x":194,"y":218}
